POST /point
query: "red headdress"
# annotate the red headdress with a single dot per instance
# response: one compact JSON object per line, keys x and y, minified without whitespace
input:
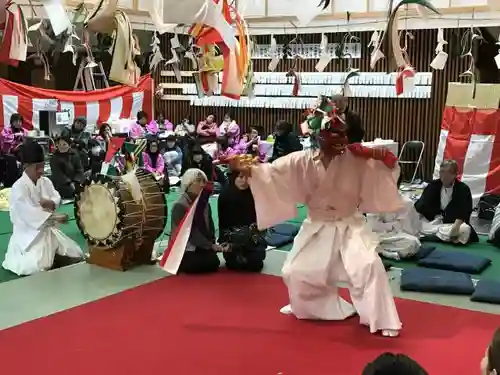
{"x":329,"y":130}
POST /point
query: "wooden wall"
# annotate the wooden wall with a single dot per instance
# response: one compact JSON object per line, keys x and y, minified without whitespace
{"x":398,"y":119}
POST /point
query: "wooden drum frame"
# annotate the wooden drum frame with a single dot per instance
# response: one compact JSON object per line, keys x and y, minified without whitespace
{"x":120,"y":231}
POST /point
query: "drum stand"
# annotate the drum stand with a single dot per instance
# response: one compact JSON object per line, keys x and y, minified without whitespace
{"x":129,"y":254}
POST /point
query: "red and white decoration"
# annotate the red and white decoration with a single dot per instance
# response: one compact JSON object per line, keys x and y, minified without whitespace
{"x":472,"y":138}
{"x":172,"y":257}
{"x":106,"y":105}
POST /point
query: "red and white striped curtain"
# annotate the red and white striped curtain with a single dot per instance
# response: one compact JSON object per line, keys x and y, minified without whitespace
{"x":98,"y":106}
{"x":471,"y":137}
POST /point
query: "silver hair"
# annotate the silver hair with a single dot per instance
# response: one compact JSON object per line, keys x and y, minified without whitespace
{"x":190,"y":176}
{"x":452,"y":164}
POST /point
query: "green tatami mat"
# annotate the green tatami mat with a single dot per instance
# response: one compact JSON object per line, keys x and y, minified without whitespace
{"x":71,"y":229}
{"x":6,"y":225}
{"x":480,"y":248}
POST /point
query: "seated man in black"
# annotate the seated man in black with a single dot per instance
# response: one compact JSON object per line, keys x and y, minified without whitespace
{"x":285,"y":141}
{"x":238,"y":226}
{"x":66,"y":169}
{"x":355,"y":131}
{"x":446,"y":206}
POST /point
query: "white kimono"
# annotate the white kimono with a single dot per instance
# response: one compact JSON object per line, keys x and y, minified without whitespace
{"x":397,"y":232}
{"x":334,"y":243}
{"x":35,"y":239}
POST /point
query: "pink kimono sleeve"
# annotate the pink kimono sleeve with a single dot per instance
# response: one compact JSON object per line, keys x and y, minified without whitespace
{"x":379,"y":191}
{"x":147,"y":162}
{"x":277,"y":188}
{"x":160,"y":164}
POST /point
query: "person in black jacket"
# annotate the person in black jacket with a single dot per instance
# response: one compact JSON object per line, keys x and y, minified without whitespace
{"x":285,"y":141}
{"x":196,"y":157}
{"x":238,"y":226}
{"x":79,"y":140}
{"x":355,"y":132}
{"x":66,"y":169}
{"x":446,"y":206}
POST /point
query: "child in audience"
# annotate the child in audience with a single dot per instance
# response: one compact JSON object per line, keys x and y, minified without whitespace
{"x":138,"y":129}
{"x":172,"y":157}
{"x":230,"y":129}
{"x":163,"y":124}
{"x":153,"y":160}
{"x":490,"y":364}
{"x":223,"y":149}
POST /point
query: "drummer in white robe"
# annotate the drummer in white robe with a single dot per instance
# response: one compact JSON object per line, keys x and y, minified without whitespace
{"x":36,"y":241}
{"x":398,"y":232}
{"x":334,"y":243}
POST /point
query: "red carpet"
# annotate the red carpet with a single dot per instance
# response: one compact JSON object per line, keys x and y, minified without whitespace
{"x":229,"y":324}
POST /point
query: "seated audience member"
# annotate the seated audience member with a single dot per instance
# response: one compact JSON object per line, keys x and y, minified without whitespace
{"x":223,"y":149}
{"x":163,"y":124}
{"x":285,"y":141}
{"x":230,"y":129}
{"x":79,"y":139}
{"x":153,"y":159}
{"x":238,"y":226}
{"x":196,"y":158}
{"x":138,"y":129}
{"x":66,"y":169}
{"x":10,"y":139}
{"x":36,"y":243}
{"x":398,"y":233}
{"x":355,"y":131}
{"x":494,"y":235}
{"x":172,"y":157}
{"x":201,"y":250}
{"x":98,"y":147}
{"x":393,"y":364}
{"x":104,"y":135}
{"x":490,"y":364}
{"x":207,"y":130}
{"x":446,"y":206}
{"x":185,"y":128}
{"x":125,"y":161}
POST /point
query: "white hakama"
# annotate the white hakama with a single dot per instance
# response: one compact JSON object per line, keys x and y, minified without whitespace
{"x":442,"y":231}
{"x":397,"y":233}
{"x":334,"y":244}
{"x":35,"y":239}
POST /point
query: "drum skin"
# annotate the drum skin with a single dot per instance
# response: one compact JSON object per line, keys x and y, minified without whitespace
{"x":107,"y":215}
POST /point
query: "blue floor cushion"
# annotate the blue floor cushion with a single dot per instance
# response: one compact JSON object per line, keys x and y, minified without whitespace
{"x":455,"y":261}
{"x":418,"y":279}
{"x":487,"y":291}
{"x":286,"y":229}
{"x":423,"y":252}
{"x":277,"y":240}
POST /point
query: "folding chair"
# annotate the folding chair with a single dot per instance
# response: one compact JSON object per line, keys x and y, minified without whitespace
{"x":411,"y":154}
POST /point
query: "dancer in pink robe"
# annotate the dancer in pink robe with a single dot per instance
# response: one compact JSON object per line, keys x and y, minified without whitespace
{"x":337,"y":183}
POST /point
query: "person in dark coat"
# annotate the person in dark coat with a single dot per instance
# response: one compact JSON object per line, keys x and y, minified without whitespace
{"x":79,"y":140}
{"x":446,"y":206}
{"x":285,"y":141}
{"x":66,"y":169}
{"x":238,"y":226}
{"x":355,"y":132}
{"x":196,"y":157}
